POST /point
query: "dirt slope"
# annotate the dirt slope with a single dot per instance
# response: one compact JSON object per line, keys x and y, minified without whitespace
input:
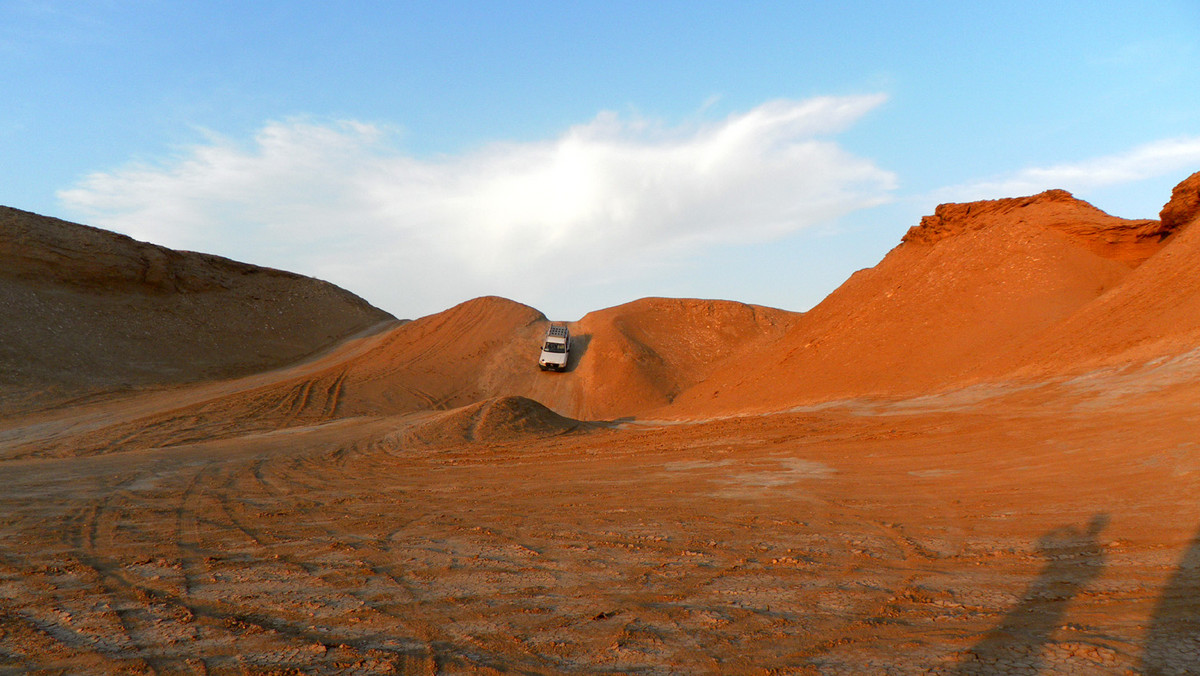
{"x":1155,"y":312}
{"x":497,"y":420}
{"x":957,"y":301}
{"x":86,"y":310}
{"x":438,"y":361}
{"x":642,"y":355}
{"x":626,"y":360}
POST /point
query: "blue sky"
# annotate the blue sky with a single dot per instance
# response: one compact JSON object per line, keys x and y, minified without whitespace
{"x":574,"y":156}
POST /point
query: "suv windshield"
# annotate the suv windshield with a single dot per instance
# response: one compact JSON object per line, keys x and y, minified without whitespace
{"x":554,"y":347}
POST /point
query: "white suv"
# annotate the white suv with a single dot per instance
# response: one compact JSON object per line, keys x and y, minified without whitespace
{"x":555,"y":348}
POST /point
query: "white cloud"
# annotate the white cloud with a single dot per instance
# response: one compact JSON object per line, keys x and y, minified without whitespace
{"x":611,"y":198}
{"x":1144,"y":162}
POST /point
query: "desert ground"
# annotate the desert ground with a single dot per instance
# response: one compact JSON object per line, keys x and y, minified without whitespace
{"x":981,"y":456}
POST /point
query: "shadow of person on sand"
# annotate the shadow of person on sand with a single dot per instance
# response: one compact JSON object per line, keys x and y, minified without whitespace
{"x":1173,"y":639}
{"x":1074,"y":559}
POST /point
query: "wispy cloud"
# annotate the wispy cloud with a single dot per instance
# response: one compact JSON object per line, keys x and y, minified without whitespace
{"x":610,"y":198}
{"x":1143,"y":162}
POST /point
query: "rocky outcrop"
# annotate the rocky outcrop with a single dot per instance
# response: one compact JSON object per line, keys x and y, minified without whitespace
{"x":1184,"y":206}
{"x":1128,"y":241}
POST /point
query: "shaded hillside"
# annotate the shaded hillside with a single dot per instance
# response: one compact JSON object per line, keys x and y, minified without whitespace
{"x":87,"y":310}
{"x":959,"y":300}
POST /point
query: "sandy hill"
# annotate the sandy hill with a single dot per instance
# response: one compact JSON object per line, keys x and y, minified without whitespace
{"x":974,"y":292}
{"x":87,"y":310}
{"x":1154,"y":312}
{"x":626,"y":360}
{"x":439,"y":361}
{"x":642,"y":355}
{"x":497,"y":420}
